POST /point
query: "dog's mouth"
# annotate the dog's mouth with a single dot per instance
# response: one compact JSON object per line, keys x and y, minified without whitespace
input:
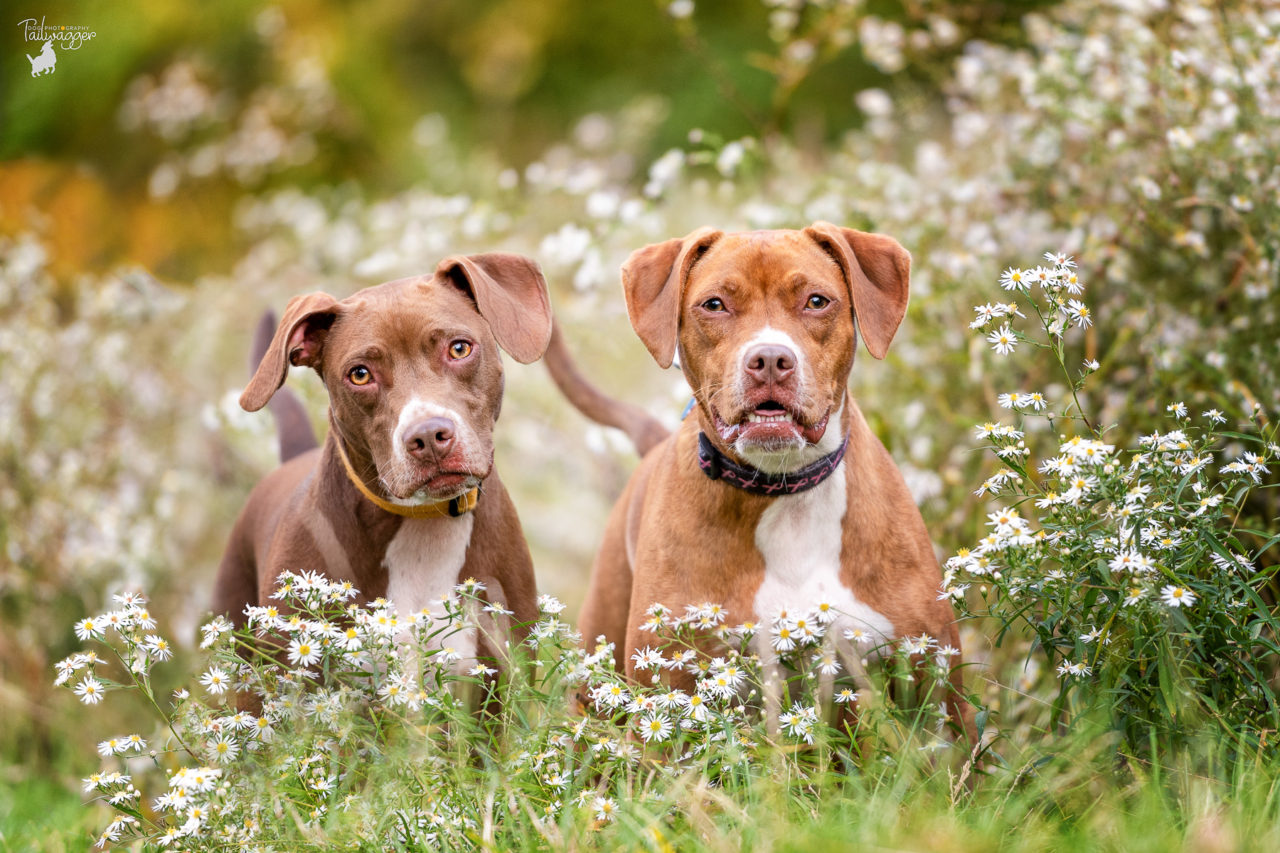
{"x":439,"y":486}
{"x":447,"y":481}
{"x":423,"y":484}
{"x":770,"y":424}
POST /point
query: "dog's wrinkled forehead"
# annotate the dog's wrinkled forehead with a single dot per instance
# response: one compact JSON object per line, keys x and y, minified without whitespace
{"x":404,"y":315}
{"x":761,"y":259}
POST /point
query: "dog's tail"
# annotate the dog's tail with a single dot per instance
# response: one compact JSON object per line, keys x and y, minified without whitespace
{"x":292,"y":425}
{"x":643,"y":429}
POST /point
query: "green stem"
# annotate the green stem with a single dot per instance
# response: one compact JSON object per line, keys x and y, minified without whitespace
{"x":1058,"y":353}
{"x":145,"y":689}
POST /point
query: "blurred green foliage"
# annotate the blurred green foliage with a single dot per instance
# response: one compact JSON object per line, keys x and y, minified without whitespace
{"x":512,"y":76}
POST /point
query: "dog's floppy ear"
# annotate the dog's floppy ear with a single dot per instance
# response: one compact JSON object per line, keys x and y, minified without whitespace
{"x":653,"y":280}
{"x":298,"y":340}
{"x":878,"y":272}
{"x":511,"y":294}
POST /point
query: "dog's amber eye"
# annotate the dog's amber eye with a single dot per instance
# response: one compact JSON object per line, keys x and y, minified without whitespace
{"x":817,"y":302}
{"x":360,"y":375}
{"x":715,"y":303}
{"x":459,"y":350}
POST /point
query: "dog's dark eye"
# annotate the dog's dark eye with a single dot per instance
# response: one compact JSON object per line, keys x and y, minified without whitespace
{"x":360,"y":375}
{"x":817,"y":302}
{"x":715,"y":303}
{"x":459,"y":350}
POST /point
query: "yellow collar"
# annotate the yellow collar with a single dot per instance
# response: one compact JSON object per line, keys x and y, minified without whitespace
{"x":451,"y":508}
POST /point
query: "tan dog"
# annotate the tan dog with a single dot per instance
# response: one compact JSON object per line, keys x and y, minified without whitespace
{"x":392,"y":501}
{"x":774,"y":492}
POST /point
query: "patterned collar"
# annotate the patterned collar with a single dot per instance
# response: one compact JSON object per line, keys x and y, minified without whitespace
{"x":717,"y":466}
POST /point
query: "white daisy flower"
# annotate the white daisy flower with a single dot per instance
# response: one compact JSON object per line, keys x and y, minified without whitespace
{"x":216,"y":681}
{"x":798,"y":721}
{"x":550,"y":604}
{"x":1134,"y":595}
{"x":654,"y":727}
{"x":782,"y":636}
{"x":1003,"y":340}
{"x":157,"y":647}
{"x":1077,"y":669}
{"x":90,"y":690}
{"x":826,"y":663}
{"x":605,"y":808}
{"x":304,"y":651}
{"x":1177,"y":596}
{"x":1015,"y":279}
{"x":90,"y":628}
{"x":1079,"y":313}
{"x":224,"y":749}
{"x":648,"y":658}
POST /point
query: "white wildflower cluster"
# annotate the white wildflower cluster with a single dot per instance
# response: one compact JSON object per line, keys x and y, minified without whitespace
{"x":719,"y":706}
{"x":297,"y":700}
{"x":1072,"y":476}
{"x":1130,"y":545}
{"x":1057,"y":284}
{"x":441,"y":824}
{"x":140,"y":648}
{"x":368,"y":660}
{"x":1251,"y":465}
{"x":207,"y":131}
{"x":703,"y":708}
{"x":789,"y":633}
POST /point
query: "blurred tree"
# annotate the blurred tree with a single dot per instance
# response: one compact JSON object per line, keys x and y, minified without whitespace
{"x":246,"y":96}
{"x":509,"y":75}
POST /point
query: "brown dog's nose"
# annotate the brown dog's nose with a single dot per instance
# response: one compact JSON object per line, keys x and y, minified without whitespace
{"x":430,"y":440}
{"x":770,"y":364}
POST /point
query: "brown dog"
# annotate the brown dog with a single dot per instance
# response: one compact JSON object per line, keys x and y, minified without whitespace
{"x":391,"y":501}
{"x":774,"y":493}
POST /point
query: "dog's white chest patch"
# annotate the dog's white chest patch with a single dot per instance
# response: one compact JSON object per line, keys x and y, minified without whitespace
{"x":799,"y":537}
{"x":422,"y":562}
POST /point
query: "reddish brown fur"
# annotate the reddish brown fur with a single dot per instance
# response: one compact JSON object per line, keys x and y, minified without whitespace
{"x":677,"y":537}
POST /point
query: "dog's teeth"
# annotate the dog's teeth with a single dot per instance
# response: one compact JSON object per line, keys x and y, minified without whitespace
{"x":754,"y":418}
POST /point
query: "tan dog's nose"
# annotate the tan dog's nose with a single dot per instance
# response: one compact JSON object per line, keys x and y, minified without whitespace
{"x":770,"y":364}
{"x":430,"y":440}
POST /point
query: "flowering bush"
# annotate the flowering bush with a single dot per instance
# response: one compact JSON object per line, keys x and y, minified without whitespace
{"x":110,"y":479}
{"x":372,"y":715}
{"x":1131,"y":568}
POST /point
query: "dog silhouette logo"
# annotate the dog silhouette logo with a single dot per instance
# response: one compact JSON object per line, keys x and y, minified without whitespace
{"x":44,"y":62}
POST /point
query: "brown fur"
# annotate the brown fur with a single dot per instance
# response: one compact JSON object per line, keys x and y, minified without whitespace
{"x":307,"y":514}
{"x":677,"y":537}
